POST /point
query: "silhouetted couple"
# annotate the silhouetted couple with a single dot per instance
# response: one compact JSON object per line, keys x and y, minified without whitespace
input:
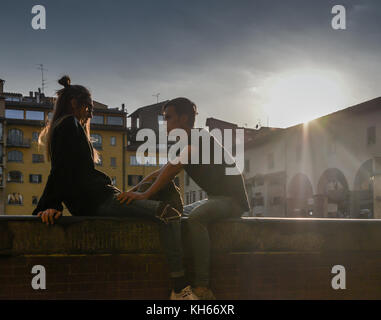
{"x":86,"y":191}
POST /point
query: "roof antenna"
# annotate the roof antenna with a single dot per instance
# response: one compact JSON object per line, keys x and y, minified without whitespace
{"x":43,"y":80}
{"x":157,"y":97}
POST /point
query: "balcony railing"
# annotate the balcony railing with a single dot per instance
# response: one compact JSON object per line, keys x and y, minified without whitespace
{"x":23,"y":143}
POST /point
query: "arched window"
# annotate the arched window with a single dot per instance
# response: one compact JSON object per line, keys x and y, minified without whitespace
{"x":15,"y":176}
{"x":96,"y":140}
{"x":15,"y":136}
{"x":15,"y":156}
{"x":15,"y":198}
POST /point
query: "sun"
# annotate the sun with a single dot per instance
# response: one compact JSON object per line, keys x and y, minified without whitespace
{"x":302,"y":95}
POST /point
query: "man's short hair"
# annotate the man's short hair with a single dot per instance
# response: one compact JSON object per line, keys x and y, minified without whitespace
{"x":183,"y":106}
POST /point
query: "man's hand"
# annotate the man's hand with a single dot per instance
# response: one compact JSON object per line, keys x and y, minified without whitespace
{"x":49,"y":215}
{"x":129,"y":196}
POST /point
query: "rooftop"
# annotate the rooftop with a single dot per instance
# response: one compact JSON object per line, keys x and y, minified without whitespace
{"x":150,"y":107}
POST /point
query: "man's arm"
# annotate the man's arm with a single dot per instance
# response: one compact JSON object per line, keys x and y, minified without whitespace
{"x":150,"y":177}
{"x":166,"y":174}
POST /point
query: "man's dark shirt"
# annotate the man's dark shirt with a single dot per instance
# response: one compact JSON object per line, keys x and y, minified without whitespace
{"x":213,"y":179}
{"x":73,"y":178}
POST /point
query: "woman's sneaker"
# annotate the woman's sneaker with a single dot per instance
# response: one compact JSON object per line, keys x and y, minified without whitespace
{"x":185,"y":294}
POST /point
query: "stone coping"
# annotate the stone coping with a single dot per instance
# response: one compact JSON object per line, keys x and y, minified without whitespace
{"x":26,"y":235}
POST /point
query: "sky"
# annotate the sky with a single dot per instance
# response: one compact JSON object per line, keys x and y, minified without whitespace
{"x":273,"y":62}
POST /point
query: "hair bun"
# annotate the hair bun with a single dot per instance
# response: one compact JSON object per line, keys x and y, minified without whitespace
{"x":65,"y":81}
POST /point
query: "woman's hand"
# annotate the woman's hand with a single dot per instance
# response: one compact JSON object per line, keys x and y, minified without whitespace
{"x":49,"y":215}
{"x":129,"y":196}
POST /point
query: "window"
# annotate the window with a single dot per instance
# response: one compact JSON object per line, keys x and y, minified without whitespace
{"x":15,"y":176}
{"x":146,"y":161}
{"x":14,"y":114}
{"x":371,"y":135}
{"x":200,"y":193}
{"x":14,"y":99}
{"x":115,"y":121}
{"x":163,"y":161}
{"x":113,"y":162}
{"x":35,"y":178}
{"x":270,"y":161}
{"x":193,"y":196}
{"x":113,"y":181}
{"x":150,"y":161}
{"x":15,"y":198}
{"x":34,"y":200}
{"x":15,"y":156}
{"x":97,"y":120}
{"x":134,"y":179}
{"x":96,"y":140}
{"x":133,"y":161}
{"x":35,"y":136}
{"x":113,"y":141}
{"x":35,"y":115}
{"x":37,"y":158}
{"x":15,"y":137}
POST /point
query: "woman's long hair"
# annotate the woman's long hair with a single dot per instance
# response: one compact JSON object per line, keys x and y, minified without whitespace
{"x":63,"y":109}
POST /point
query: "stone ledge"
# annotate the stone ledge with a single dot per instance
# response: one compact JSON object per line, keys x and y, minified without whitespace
{"x":26,"y":235}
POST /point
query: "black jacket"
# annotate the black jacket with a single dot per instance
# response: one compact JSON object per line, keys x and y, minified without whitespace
{"x":73,"y":178}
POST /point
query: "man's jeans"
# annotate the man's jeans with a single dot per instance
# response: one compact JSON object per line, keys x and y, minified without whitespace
{"x":200,"y":214}
{"x":170,"y":233}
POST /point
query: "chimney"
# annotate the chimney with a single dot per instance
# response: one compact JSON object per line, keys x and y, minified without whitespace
{"x":31,"y":94}
{"x":38,"y":94}
{"x":1,"y":86}
{"x":123,"y":107}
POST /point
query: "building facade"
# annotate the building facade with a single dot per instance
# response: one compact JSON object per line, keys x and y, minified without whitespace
{"x":327,"y":167}
{"x":25,"y":167}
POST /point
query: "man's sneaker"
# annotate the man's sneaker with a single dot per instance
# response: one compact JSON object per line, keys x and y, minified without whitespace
{"x":185,"y":294}
{"x":168,"y":213}
{"x":204,"y":294}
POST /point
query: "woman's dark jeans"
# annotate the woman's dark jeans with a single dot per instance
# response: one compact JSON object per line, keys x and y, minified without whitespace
{"x":170,"y":233}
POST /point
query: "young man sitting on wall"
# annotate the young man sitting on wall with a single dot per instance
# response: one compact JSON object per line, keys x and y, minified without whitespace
{"x":227,"y":195}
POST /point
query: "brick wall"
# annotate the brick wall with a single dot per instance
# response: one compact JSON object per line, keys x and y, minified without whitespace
{"x":252,"y":258}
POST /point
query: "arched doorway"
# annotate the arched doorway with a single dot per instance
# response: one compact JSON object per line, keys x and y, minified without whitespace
{"x":334,"y":186}
{"x":300,"y":192}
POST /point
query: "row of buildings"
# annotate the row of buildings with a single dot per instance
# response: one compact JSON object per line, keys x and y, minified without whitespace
{"x":328,"y":167}
{"x":24,"y":168}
